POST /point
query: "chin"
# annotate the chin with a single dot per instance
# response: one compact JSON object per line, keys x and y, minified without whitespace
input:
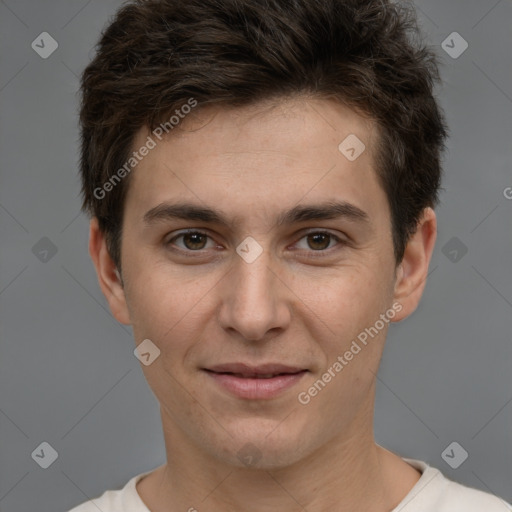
{"x":258,"y":450}
{"x":251,"y":458}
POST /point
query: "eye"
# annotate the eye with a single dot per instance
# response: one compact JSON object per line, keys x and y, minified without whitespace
{"x":320,"y":241}
{"x":193,"y":240}
{"x":197,"y":241}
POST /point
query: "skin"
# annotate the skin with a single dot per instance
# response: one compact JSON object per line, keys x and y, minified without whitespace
{"x":286,"y":306}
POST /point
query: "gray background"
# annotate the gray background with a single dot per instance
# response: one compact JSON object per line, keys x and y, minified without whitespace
{"x":68,"y":375}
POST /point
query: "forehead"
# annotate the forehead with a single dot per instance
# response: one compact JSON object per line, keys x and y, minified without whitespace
{"x":264,"y":155}
{"x":279,"y":125}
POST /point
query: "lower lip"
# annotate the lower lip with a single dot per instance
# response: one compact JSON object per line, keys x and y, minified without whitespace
{"x":256,"y":389}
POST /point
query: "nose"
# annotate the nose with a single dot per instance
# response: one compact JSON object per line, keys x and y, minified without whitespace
{"x":255,"y":299}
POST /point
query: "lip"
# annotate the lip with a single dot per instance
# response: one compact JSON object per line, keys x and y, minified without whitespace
{"x":249,"y":370}
{"x":245,"y":381}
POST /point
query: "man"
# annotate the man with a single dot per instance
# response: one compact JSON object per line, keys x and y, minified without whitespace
{"x":261,"y":178}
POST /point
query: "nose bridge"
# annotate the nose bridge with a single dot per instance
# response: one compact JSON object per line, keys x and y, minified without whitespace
{"x":254,"y":278}
{"x":253,"y":303}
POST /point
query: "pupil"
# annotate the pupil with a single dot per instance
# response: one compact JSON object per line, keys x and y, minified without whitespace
{"x":194,"y":237}
{"x":316,"y":237}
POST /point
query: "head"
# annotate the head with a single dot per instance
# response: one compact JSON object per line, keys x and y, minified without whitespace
{"x":240,"y":111}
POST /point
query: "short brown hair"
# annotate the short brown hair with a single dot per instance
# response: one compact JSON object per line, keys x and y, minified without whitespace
{"x":367,"y":54}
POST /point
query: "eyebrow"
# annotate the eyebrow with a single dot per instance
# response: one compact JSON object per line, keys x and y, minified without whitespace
{"x":301,"y":213}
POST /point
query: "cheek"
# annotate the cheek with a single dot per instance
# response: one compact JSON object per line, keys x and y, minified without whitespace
{"x":164,"y":305}
{"x":171,"y":313}
{"x":346,"y":300}
{"x":350,"y":309}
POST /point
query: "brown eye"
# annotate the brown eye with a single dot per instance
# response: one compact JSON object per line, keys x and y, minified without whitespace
{"x":191,"y":241}
{"x":319,"y":241}
{"x":194,"y":240}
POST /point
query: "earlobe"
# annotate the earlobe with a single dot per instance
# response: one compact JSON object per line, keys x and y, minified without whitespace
{"x":109,"y":279}
{"x":412,"y":272}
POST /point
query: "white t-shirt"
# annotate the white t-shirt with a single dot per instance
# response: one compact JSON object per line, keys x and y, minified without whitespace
{"x":433,"y":492}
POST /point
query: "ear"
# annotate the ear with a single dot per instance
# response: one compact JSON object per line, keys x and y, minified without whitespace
{"x":108,"y":277}
{"x":412,"y":271}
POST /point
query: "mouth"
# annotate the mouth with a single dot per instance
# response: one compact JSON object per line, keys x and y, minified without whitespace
{"x":254,"y":375}
{"x":255,"y":382}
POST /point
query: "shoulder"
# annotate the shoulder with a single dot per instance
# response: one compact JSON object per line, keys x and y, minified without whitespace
{"x":126,"y":499}
{"x":470,"y":499}
{"x":435,"y":492}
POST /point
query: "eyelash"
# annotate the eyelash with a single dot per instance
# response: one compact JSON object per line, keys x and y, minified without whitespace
{"x":315,"y":254}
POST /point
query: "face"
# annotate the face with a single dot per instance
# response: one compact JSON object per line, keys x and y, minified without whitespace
{"x":255,"y":290}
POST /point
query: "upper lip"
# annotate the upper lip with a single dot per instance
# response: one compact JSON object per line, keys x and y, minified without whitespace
{"x":249,"y":370}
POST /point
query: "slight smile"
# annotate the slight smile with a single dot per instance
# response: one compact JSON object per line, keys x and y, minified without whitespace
{"x":255,"y":382}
